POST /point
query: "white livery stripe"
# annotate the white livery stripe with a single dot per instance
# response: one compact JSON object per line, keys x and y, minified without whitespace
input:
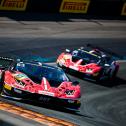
{"x":45,"y":84}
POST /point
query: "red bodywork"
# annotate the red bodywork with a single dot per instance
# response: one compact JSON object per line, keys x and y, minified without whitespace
{"x":21,"y":81}
{"x":65,"y":59}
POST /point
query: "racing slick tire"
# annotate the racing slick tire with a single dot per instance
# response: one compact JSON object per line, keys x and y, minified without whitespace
{"x":112,"y":74}
{"x":100,"y":77}
{"x":2,"y":81}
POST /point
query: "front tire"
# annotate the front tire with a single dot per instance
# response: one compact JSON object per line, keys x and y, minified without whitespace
{"x":2,"y":81}
{"x":100,"y":77}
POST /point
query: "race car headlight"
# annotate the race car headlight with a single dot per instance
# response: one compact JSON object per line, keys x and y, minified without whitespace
{"x":20,"y":82}
{"x":89,"y":70}
{"x":69,"y":92}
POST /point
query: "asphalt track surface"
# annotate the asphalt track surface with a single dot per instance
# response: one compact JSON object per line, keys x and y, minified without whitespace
{"x":101,"y":105}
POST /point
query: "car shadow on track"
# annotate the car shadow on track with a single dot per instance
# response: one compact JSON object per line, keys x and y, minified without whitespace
{"x":27,"y":105}
{"x":52,"y":107}
{"x":106,"y":83}
{"x":118,"y":81}
{"x":112,"y":83}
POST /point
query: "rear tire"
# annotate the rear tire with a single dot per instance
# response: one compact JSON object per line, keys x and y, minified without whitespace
{"x":113,"y":74}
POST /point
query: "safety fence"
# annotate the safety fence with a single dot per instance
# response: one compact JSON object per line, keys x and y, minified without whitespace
{"x":86,"y":7}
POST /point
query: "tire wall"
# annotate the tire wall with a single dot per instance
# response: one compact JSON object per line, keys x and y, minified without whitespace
{"x":85,"y":7}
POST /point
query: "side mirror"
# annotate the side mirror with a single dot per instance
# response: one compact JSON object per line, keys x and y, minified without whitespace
{"x":67,"y":50}
{"x":75,"y":82}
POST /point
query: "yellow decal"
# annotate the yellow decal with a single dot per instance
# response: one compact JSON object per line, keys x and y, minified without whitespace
{"x":66,"y":57}
{"x":90,"y":53}
{"x":124,"y":9}
{"x":74,"y":6}
{"x":18,"y":5}
{"x":20,"y":76}
{"x":78,"y":102}
{"x":7,"y":86}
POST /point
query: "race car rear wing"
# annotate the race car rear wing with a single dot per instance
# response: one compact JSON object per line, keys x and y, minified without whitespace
{"x":107,"y":51}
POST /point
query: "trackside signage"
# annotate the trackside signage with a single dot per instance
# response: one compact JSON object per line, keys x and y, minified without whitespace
{"x":74,"y":6}
{"x":16,"y":5}
{"x":124,"y":9}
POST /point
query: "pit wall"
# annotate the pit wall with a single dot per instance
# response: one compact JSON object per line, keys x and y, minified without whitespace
{"x":85,"y":7}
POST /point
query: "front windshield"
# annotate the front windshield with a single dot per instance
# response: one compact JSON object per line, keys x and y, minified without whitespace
{"x":36,"y":73}
{"x":87,"y":57}
{"x":53,"y":74}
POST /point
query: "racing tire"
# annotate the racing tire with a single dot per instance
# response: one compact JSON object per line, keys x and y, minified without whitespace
{"x":99,"y":78}
{"x":2,"y":81}
{"x":112,"y":74}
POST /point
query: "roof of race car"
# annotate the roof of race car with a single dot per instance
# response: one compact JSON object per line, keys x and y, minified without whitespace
{"x":107,"y":51}
{"x":86,"y":55}
{"x":95,"y":55}
{"x":90,"y":52}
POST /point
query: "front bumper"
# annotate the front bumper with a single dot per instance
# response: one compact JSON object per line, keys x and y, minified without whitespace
{"x":16,"y":94}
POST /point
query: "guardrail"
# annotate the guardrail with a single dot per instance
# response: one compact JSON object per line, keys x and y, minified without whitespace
{"x":85,"y":7}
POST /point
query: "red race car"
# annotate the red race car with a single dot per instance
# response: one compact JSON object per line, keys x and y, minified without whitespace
{"x":90,"y":63}
{"x":23,"y":80}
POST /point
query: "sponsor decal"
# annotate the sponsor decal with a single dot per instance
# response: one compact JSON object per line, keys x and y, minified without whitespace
{"x":44,"y":99}
{"x":71,"y":101}
{"x":18,"y":5}
{"x":74,"y":6}
{"x":124,"y":10}
{"x":46,"y":93}
{"x":8,"y":87}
